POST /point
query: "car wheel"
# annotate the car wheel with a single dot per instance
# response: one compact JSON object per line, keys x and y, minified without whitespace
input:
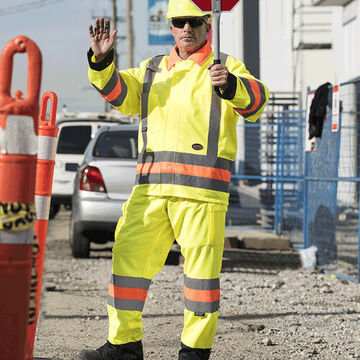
{"x":79,"y":243}
{"x":54,"y":209}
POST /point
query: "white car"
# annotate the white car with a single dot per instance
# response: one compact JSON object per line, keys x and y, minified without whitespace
{"x":75,"y":132}
{"x":103,"y":183}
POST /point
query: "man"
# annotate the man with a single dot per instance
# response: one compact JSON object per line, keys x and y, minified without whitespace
{"x":187,"y":143}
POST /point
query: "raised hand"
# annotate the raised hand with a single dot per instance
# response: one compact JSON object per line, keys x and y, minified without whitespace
{"x":101,"y":41}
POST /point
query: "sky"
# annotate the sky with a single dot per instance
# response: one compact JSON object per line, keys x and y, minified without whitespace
{"x":60,"y":30}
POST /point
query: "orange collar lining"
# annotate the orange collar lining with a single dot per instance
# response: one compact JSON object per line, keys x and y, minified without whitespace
{"x":199,"y":57}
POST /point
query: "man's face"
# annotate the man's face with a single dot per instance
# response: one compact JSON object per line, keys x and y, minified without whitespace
{"x":189,"y":38}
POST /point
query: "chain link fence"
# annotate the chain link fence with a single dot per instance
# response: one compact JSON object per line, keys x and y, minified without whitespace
{"x":312,"y":198}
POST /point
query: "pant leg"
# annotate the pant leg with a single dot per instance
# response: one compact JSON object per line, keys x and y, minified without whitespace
{"x":143,"y":238}
{"x":200,"y":231}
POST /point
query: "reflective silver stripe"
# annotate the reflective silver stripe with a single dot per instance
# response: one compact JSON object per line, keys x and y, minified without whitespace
{"x":46,"y":149}
{"x":202,"y":284}
{"x":187,"y":158}
{"x":42,"y":205}
{"x":214,"y":126}
{"x":130,"y":282}
{"x":223,"y":58}
{"x":125,"y":304}
{"x":120,"y":99}
{"x":24,"y":237}
{"x":202,"y":307}
{"x":215,"y":119}
{"x":181,"y":179}
{"x":18,"y":137}
{"x":149,"y":76}
{"x":246,"y":82}
{"x":153,"y":65}
{"x":110,"y":86}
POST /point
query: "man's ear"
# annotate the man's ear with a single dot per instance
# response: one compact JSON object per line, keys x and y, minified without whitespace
{"x":208,"y":28}
{"x":171,"y":29}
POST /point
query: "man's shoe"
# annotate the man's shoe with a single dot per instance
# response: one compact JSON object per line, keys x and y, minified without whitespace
{"x":129,"y":351}
{"x":188,"y":353}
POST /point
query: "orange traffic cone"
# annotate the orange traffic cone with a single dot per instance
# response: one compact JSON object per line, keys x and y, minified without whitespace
{"x":48,"y":132}
{"x":18,"y":127}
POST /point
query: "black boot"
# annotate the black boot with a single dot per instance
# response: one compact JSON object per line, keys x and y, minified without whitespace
{"x":188,"y":353}
{"x":129,"y":351}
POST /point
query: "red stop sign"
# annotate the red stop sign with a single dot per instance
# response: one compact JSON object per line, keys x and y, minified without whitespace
{"x":205,"y":5}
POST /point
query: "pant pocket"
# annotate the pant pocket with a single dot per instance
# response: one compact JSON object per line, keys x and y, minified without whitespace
{"x":217,"y":216}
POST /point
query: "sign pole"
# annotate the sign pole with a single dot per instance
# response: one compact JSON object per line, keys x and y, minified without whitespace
{"x":216,"y":10}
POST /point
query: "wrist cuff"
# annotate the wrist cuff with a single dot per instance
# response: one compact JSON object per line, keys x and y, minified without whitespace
{"x":104,"y":63}
{"x":230,"y":90}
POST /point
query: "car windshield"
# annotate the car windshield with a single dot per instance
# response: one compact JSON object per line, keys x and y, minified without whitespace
{"x":116,"y":144}
{"x":73,"y":139}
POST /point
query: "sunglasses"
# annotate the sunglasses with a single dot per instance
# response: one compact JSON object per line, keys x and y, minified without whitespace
{"x":194,"y":22}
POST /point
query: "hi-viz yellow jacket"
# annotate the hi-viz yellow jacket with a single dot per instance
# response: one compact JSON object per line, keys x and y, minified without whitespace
{"x":187,"y":133}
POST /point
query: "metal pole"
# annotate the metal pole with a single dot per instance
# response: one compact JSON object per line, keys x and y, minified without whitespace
{"x":358,"y":264}
{"x":130,"y":34}
{"x":216,"y":11}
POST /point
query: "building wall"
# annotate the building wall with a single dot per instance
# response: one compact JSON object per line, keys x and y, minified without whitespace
{"x":276,"y":66}
{"x":281,"y":68}
{"x":231,"y":32}
{"x":346,"y":34}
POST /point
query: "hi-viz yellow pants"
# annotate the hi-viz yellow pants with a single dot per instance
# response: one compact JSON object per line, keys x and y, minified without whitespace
{"x":143,"y":238}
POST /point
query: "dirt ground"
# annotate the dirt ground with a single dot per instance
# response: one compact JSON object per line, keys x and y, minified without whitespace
{"x":265,"y":313}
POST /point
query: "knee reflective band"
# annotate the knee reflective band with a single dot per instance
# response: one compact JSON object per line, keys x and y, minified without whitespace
{"x":128,"y":293}
{"x":18,"y":130}
{"x":48,"y":132}
{"x":201,"y":296}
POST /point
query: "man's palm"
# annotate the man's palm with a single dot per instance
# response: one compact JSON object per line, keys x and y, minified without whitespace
{"x":102,"y":44}
{"x":101,"y":41}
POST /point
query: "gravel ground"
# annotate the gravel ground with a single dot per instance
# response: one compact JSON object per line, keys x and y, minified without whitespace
{"x":265,"y":313}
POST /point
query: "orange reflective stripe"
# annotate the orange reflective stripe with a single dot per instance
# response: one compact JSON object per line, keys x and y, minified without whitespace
{"x":115,"y":92}
{"x":185,"y":169}
{"x":202,"y":295}
{"x":257,"y":95}
{"x":127,"y":293}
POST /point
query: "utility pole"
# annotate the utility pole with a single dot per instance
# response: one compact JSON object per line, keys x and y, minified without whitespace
{"x":129,"y":34}
{"x":114,"y":26}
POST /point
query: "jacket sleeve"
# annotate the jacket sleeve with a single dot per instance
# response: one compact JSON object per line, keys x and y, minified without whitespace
{"x":246,"y":94}
{"x":121,"y":89}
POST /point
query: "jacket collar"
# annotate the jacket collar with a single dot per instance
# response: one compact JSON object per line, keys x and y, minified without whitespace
{"x":198,"y":57}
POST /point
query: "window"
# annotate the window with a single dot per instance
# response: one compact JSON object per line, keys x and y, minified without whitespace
{"x":73,"y":139}
{"x":116,"y":144}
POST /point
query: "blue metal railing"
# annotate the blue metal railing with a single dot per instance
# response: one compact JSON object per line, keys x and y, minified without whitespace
{"x":302,"y":186}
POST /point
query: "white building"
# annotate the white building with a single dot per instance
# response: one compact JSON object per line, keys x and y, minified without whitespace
{"x":303,"y":43}
{"x":346,"y":38}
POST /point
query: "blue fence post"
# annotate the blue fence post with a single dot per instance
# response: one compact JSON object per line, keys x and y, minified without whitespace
{"x":279,"y":194}
{"x":358,"y":264}
{"x":305,"y":210}
{"x":278,"y":149}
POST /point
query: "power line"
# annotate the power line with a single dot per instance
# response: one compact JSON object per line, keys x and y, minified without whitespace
{"x":27,"y":7}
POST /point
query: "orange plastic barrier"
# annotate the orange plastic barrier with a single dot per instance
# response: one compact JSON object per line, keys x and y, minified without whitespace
{"x":48,"y":132}
{"x":17,"y":182}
